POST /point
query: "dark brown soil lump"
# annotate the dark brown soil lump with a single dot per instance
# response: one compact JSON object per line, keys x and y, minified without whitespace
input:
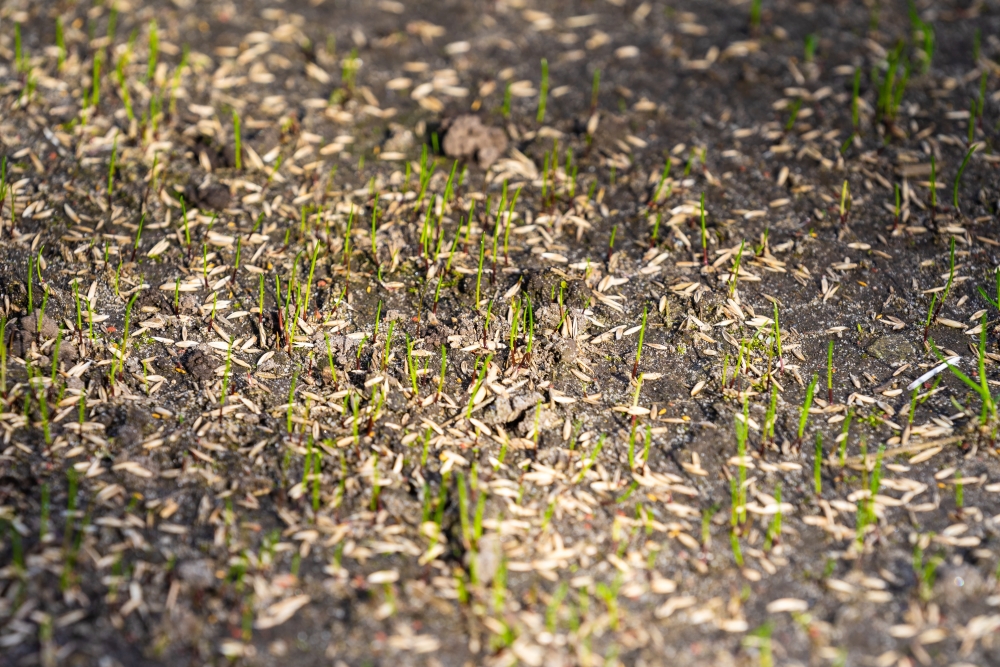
{"x":466,"y":137}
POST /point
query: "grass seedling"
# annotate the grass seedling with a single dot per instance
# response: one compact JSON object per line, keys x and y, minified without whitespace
{"x":809,"y":51}
{"x":925,"y":32}
{"x":983,"y":79}
{"x":774,"y":530}
{"x":742,"y":428}
{"x":90,"y":318}
{"x":545,"y":180}
{"x":94,"y":98}
{"x":818,"y":465}
{"x":154,"y":50}
{"x":55,"y":357}
{"x":478,"y":385}
{"x":656,"y":231}
{"x":236,"y":260}
{"x":933,"y":182}
{"x":638,"y":351}
{"x":505,"y":109}
{"x":43,"y":529}
{"x":755,"y":16}
{"x":845,"y":430}
{"x":951,"y":273}
{"x":374,"y":222}
{"x":123,"y":84}
{"x":736,"y":270}
{"x":410,"y":365}
{"x":291,"y":403}
{"x":926,"y":572}
{"x":761,"y":638}
{"x":829,"y":372}
{"x":31,"y":266}
{"x":982,"y":292}
{"x":388,"y":345}
{"x":959,"y":491}
{"x":530,"y":316}
{"x":225,"y":380}
{"x":128,"y":318}
{"x":184,"y":221}
{"x":734,"y":544}
{"x":704,"y":233}
{"x":543,"y":92}
{"x":610,"y":596}
{"x":238,"y":140}
{"x":260,"y":300}
{"x":897,"y":210}
{"x":932,"y":311}
{"x":845,"y":202}
{"x":611,"y":242}
{"x":204,"y":265}
{"x":41,"y":313}
{"x":510,"y":218}
{"x":662,"y":182}
{"x":646,"y":444}
{"x":771,"y":416}
{"x":309,"y":282}
{"x":777,"y":338}
{"x":595,"y":87}
{"x":874,"y":485}
{"x":958,"y":176}
{"x":41,"y":395}
{"x":373,"y":506}
{"x":479,"y":272}
{"x":706,"y":525}
{"x":138,"y":236}
{"x":804,"y":412}
{"x":111,"y":169}
{"x":60,"y":44}
{"x":973,"y":114}
{"x":444,"y":367}
{"x":739,"y":363}
{"x":20,"y":57}
{"x":3,"y":356}
{"x":930,"y":315}
{"x":855,"y":101}
{"x":793,"y":114}
{"x":591,"y":460}
{"x":347,"y":243}
{"x":555,"y":604}
{"x":989,"y":403}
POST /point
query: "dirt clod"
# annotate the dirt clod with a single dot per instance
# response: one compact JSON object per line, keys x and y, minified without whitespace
{"x":468,"y":138}
{"x":199,"y":364}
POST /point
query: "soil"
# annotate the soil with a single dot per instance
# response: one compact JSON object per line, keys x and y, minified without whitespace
{"x":505,"y":333}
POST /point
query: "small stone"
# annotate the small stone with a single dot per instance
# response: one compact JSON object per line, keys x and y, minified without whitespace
{"x":893,"y":349}
{"x":510,"y":409}
{"x":214,"y":196}
{"x":29,"y":324}
{"x":566,"y":349}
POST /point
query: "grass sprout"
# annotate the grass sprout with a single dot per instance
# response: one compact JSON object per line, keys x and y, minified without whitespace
{"x":806,"y":405}
{"x":982,"y":387}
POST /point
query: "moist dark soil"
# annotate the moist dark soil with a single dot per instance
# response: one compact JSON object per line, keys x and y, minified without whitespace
{"x":499,"y":333}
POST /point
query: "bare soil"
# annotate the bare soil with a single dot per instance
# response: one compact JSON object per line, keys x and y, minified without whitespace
{"x":465,"y":352}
